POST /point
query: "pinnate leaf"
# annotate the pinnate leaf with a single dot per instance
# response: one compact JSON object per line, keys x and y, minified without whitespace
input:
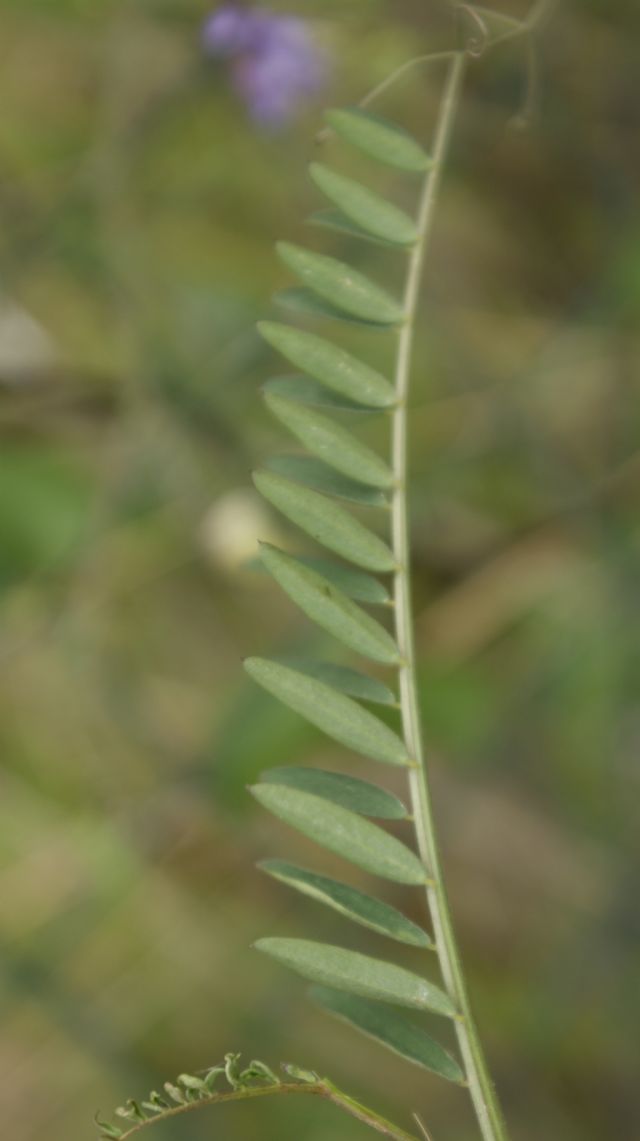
{"x":337,"y":715}
{"x":343,"y":832}
{"x":329,"y":607}
{"x":332,"y":443}
{"x":357,"y":795}
{"x":331,"y":365}
{"x":380,"y":139}
{"x":326,"y":522}
{"x":367,"y":209}
{"x":344,"y":287}
{"x":353,"y":904}
{"x":358,"y":974}
{"x":391,"y":1029}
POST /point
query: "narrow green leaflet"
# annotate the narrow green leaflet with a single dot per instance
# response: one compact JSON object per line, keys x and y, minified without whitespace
{"x":344,"y":287}
{"x":298,"y":299}
{"x":358,"y":974}
{"x":331,"y":365}
{"x":357,"y":795}
{"x":314,"y":473}
{"x":379,"y":139}
{"x":336,"y":221}
{"x":329,"y":607}
{"x":326,"y":522}
{"x":355,"y":583}
{"x":332,"y":443}
{"x":343,"y":832}
{"x":348,"y":681}
{"x":367,"y":209}
{"x":391,"y":1029}
{"x":337,"y":715}
{"x":306,"y":390}
{"x":355,"y":905}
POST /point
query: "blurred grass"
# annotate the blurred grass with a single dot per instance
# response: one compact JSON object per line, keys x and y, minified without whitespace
{"x":138,"y":210}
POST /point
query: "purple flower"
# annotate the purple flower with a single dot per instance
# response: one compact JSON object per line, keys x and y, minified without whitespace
{"x":275,"y":63}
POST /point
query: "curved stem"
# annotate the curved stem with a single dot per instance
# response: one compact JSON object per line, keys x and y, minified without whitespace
{"x":480,"y":1086}
{"x":321,"y":1088}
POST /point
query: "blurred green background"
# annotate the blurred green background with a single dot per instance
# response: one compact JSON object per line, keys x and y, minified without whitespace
{"x":138,"y":208}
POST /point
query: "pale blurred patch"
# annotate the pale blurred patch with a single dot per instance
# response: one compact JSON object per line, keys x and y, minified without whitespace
{"x":232,"y":528}
{"x":25,"y":345}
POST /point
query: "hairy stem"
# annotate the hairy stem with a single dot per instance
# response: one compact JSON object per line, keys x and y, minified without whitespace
{"x":322,"y":1088}
{"x":477,"y":1075}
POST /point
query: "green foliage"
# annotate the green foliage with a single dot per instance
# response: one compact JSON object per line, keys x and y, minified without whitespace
{"x":369,"y":211}
{"x":386,"y":142}
{"x":339,"y":223}
{"x":390,"y":1029}
{"x":362,"y":587}
{"x":328,"y":807}
{"x":330,"y":442}
{"x":349,"y":681}
{"x":337,"y":369}
{"x":342,"y":832}
{"x":357,"y":795}
{"x":326,"y":522}
{"x":319,"y":476}
{"x":337,"y":715}
{"x":355,"y":905}
{"x":306,"y":390}
{"x":133,"y":230}
{"x":344,"y":288}
{"x":358,"y":974}
{"x":329,"y":607}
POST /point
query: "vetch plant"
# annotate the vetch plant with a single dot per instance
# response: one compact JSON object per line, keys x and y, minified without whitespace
{"x":369,"y":993}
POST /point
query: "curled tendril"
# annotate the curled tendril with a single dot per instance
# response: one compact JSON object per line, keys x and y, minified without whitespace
{"x":186,"y":1090}
{"x":476,"y":43}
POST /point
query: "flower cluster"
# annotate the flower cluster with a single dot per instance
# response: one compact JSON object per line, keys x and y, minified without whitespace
{"x":274,"y":61}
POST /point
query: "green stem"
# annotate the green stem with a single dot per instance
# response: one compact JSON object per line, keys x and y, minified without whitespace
{"x":538,"y":15}
{"x":364,"y":1114}
{"x":322,"y":1088}
{"x":477,"y":1075}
